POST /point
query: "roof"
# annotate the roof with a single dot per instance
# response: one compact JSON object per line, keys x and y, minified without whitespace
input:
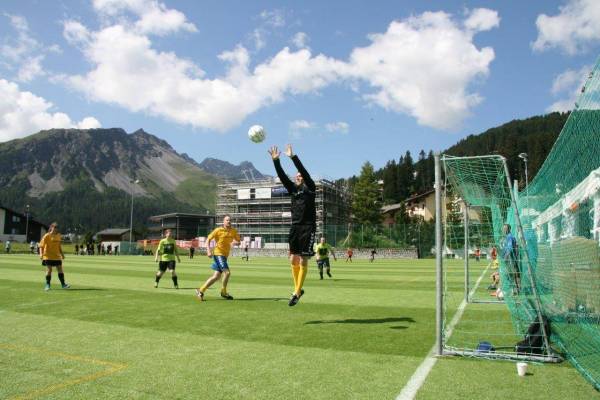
{"x":113,"y":231}
{"x":178,"y":214}
{"x":419,"y":196}
{"x":390,"y":208}
{"x":31,"y":220}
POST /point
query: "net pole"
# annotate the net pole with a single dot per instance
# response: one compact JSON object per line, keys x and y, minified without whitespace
{"x":438,"y":256}
{"x":466,"y":223}
{"x":538,"y":304}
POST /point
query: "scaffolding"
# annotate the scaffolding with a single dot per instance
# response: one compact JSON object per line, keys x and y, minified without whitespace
{"x":261,"y":209}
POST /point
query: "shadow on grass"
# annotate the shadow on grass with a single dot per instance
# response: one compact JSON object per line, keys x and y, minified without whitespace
{"x":77,"y":289}
{"x":261,"y":299}
{"x":364,"y":321}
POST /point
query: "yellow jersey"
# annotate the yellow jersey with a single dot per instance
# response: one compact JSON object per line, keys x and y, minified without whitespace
{"x":50,"y":246}
{"x":223,"y":238}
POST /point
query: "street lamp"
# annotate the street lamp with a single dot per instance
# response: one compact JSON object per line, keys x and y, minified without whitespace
{"x":523,"y":156}
{"x":27,"y":222}
{"x":131,"y":215}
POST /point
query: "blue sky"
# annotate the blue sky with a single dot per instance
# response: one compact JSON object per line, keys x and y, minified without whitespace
{"x":344,"y":81}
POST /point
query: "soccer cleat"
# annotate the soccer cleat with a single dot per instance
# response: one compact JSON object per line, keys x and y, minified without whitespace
{"x":199,"y":295}
{"x":155,"y":285}
{"x":66,"y":286}
{"x":329,"y":274}
{"x":176,"y":286}
{"x":293,"y":300}
{"x":301,"y":293}
{"x":47,"y":287}
{"x":226,"y":296}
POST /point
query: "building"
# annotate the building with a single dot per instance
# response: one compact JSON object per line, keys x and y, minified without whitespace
{"x":184,"y":226}
{"x":19,"y":227}
{"x":114,"y":235}
{"x":422,"y":205}
{"x":389,"y":213}
{"x":260,"y":210}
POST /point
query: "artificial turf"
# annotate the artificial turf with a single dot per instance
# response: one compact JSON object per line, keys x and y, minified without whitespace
{"x":359,"y":335}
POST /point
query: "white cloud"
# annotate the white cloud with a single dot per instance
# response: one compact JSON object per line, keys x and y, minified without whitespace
{"x":423,"y":66}
{"x":23,"y":113}
{"x":154,"y":17}
{"x":482,"y":19}
{"x":298,"y":127}
{"x":339,"y":126}
{"x":568,"y":84}
{"x":258,"y":36}
{"x":573,"y":29}
{"x":300,"y":40}
{"x":89,"y":123}
{"x":301,"y":124}
{"x":274,"y":18}
{"x":24,"y":53}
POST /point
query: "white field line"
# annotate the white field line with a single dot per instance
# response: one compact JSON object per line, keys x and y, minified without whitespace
{"x":418,"y":378}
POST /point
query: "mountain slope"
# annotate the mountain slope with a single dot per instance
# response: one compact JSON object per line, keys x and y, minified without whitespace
{"x":84,"y":177}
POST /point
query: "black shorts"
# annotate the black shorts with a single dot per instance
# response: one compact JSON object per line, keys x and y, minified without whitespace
{"x":52,"y":263}
{"x":302,"y":240}
{"x":324,"y":262}
{"x":164,"y":265}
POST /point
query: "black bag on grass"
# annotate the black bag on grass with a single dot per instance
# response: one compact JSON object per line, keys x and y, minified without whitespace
{"x":534,"y":339}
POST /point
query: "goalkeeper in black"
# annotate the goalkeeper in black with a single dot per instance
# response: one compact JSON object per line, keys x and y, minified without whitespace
{"x":304,"y":218}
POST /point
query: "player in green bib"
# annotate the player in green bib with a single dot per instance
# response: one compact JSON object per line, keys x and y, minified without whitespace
{"x":167,"y":249}
{"x":323,"y":250}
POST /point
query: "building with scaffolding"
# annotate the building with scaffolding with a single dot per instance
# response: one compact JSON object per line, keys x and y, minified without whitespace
{"x":260,"y":211}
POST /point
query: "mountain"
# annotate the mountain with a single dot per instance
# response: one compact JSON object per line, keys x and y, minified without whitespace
{"x":224,"y":169}
{"x":84,"y":178}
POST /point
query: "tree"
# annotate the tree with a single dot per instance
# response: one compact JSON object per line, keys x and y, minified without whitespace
{"x":366,"y":204}
{"x":390,"y":188}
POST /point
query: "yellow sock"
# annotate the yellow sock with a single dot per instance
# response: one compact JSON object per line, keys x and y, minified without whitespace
{"x":203,"y":289}
{"x":301,"y":277}
{"x":224,"y":290}
{"x":295,"y":273}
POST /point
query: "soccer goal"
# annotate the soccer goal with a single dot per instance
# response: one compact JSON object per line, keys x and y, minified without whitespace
{"x":547,"y":237}
{"x":497,"y":300}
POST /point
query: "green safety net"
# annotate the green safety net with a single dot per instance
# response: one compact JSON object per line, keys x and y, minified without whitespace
{"x":554,"y":270}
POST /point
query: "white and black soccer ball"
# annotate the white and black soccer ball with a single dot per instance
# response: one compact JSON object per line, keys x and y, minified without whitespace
{"x":257,"y":133}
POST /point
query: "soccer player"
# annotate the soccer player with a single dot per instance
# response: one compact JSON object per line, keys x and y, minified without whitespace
{"x":51,"y":254}
{"x":349,"y":254}
{"x":510,"y":255}
{"x":246,"y":256}
{"x":323,"y":250}
{"x":304,"y":218}
{"x":372,"y":258}
{"x":224,"y":237}
{"x":167,"y":249}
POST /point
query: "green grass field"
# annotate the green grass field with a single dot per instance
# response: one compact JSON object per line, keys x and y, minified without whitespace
{"x":360,"y":335}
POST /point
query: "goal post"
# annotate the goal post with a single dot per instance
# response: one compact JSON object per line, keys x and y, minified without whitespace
{"x":480,"y":329}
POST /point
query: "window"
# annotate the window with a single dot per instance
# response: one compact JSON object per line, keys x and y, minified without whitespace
{"x":16,"y":219}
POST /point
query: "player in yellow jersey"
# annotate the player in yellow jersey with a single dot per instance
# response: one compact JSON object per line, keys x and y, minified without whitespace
{"x":52,"y":255}
{"x":224,"y":237}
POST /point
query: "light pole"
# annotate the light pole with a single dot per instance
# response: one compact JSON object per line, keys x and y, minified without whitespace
{"x":523,"y":156}
{"x":26,"y":223}
{"x":131,"y":215}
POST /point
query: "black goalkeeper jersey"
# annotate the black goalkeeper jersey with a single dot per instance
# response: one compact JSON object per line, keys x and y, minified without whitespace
{"x":303,"y":197}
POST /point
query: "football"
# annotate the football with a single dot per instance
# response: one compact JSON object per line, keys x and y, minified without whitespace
{"x":257,"y":133}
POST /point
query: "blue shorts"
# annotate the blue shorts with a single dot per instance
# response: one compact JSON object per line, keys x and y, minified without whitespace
{"x":219,"y":263}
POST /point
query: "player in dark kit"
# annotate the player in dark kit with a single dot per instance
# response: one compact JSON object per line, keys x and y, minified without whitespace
{"x":304,"y":218}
